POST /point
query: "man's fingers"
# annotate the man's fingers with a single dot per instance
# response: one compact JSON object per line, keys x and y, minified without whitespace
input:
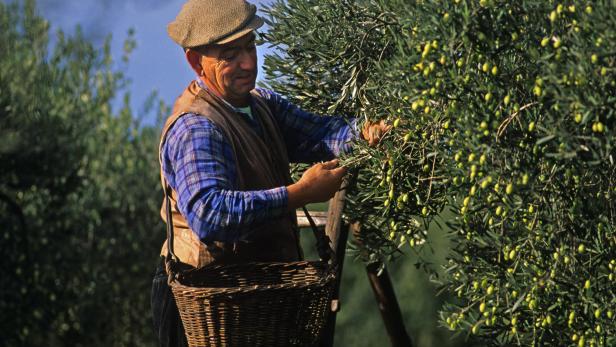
{"x":330,"y":164}
{"x":339,"y":171}
{"x":384,"y":127}
{"x":373,"y":131}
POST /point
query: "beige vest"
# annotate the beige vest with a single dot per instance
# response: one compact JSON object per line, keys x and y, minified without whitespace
{"x":262,"y":163}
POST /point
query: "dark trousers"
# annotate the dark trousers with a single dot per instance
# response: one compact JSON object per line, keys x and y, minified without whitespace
{"x":166,"y":318}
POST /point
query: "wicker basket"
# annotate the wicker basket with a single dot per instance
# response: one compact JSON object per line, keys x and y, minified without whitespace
{"x":254,"y":304}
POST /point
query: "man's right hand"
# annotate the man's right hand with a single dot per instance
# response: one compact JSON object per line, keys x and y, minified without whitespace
{"x":319,"y":183}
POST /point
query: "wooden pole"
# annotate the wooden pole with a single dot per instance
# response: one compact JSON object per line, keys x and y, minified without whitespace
{"x":388,"y":306}
{"x":381,"y":284}
{"x":386,"y":299}
{"x":338,"y":235}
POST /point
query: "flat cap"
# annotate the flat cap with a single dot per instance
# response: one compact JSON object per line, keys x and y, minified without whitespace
{"x":204,"y":22}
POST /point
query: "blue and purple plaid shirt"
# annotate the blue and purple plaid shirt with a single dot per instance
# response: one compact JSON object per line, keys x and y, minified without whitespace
{"x":198,"y":163}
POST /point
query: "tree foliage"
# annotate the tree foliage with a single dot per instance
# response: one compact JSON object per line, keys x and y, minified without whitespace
{"x":503,"y":114}
{"x":79,"y":193}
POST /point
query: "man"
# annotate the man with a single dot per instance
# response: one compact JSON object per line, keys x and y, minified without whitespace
{"x":225,"y":153}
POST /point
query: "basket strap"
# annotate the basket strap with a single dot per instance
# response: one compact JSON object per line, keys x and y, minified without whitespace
{"x":171,"y":259}
{"x":325,"y":252}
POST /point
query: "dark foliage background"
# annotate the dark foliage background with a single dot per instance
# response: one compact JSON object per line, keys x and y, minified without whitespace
{"x":79,"y":192}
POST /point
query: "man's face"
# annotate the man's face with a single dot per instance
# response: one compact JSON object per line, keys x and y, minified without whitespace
{"x":231,"y":68}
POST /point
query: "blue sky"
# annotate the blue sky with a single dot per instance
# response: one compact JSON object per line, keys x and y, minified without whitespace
{"x":157,"y":63}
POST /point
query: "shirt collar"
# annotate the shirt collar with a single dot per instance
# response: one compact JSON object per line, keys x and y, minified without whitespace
{"x":236,"y":109}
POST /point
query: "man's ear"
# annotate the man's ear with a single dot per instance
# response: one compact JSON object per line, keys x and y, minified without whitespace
{"x":194,"y":60}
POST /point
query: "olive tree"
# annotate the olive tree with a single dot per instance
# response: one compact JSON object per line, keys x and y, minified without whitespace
{"x":503,"y":116}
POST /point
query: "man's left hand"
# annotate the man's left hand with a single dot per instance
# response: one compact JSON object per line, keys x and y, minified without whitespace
{"x":373,"y":132}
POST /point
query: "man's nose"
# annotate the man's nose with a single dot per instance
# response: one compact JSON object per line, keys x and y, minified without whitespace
{"x":248,"y":59}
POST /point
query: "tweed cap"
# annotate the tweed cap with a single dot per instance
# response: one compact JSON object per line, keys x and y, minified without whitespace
{"x":204,"y":22}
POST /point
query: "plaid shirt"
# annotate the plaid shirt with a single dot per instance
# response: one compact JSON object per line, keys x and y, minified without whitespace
{"x":198,"y":163}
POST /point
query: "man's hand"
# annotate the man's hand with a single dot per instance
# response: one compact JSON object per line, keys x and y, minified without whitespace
{"x":373,"y":132}
{"x":319,"y":183}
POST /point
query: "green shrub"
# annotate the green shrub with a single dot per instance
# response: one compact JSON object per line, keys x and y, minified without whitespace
{"x":79,"y":193}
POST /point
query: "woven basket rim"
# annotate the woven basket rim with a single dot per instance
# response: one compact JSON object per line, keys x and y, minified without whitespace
{"x":329,"y":274}
{"x":248,"y":289}
{"x":317,"y":263}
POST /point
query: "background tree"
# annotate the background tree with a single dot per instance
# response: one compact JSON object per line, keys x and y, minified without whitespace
{"x":503,"y":115}
{"x":79,"y":192}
